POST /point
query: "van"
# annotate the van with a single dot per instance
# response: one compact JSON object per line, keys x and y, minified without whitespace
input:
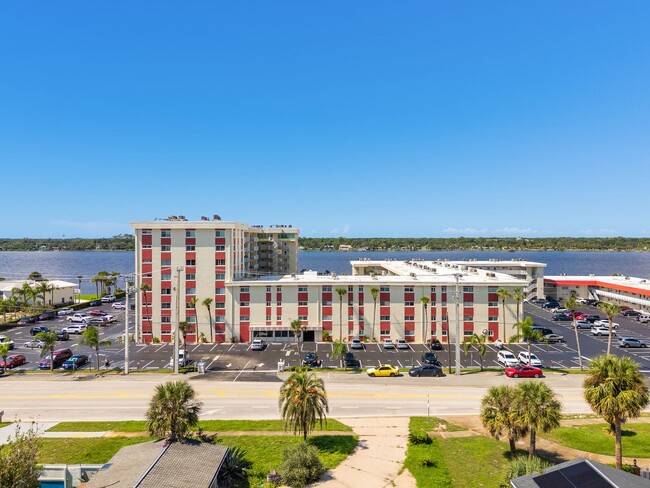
{"x":58,"y":358}
{"x":643,"y":318}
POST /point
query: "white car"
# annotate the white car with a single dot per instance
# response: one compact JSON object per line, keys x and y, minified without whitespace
{"x":599,"y":330}
{"x":402,"y":344}
{"x":605,"y":323}
{"x":118,"y":306}
{"x":507,"y":358}
{"x":524,"y":359}
{"x":258,"y":345}
{"x":109,"y":318}
{"x":79,"y":317}
{"x":65,"y":311}
{"x":76,"y":328}
{"x":6,"y":340}
{"x":34,"y":343}
{"x":356,"y":344}
{"x":388,"y":344}
{"x":108,"y":298}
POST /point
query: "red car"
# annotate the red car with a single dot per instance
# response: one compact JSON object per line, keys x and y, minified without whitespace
{"x":523,"y":371}
{"x":97,"y":313}
{"x":13,"y":361}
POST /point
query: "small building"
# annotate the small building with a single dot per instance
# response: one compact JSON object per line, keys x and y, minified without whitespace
{"x":624,"y":290}
{"x":58,"y":292}
{"x":345,"y":247}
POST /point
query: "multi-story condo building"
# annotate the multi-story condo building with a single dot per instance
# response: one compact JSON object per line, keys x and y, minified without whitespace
{"x":624,"y":290}
{"x":230,"y":281}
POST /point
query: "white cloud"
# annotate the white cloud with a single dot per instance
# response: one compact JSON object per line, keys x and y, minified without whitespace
{"x":339,"y":232}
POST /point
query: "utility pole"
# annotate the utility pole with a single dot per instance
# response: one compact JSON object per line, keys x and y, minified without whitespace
{"x":457,"y":300}
{"x":178,"y":317}
{"x":127,"y":288}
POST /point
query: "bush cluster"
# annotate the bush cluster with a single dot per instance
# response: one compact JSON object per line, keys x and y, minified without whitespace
{"x":419,"y":437}
{"x":301,"y":465}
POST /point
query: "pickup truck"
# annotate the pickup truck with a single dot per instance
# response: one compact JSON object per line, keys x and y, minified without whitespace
{"x":79,"y":317}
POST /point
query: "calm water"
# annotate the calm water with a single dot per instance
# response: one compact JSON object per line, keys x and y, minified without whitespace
{"x":68,"y":265}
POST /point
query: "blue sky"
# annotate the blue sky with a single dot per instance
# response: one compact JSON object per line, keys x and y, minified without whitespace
{"x":368,"y":118}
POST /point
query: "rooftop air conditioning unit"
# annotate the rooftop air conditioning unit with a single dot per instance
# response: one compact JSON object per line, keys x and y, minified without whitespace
{"x":216,"y":217}
{"x":203,"y":217}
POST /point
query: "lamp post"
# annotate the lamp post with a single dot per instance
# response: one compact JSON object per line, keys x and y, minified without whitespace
{"x":178,"y":317}
{"x":457,"y":300}
{"x":127,"y":287}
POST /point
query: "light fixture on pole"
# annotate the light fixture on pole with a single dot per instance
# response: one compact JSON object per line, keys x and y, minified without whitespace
{"x":457,"y":300}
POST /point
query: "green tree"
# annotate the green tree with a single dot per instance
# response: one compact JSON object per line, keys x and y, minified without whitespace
{"x":35,"y":276}
{"x":425,"y":316}
{"x":49,"y":343}
{"x":477,"y":341}
{"x":173,"y":410}
{"x":303,"y":402}
{"x":609,"y":309}
{"x":90,"y":337}
{"x":4,"y":350}
{"x":338,"y":350}
{"x":234,"y":468}
{"x":18,"y":460}
{"x":503,"y":295}
{"x":341,"y":292}
{"x":374,"y":293}
{"x":40,"y":290}
{"x":572,"y":304}
{"x":537,"y":409}
{"x":616,"y":390}
{"x":206,"y":303}
{"x":297,"y":329}
{"x":527,"y":334}
{"x":519,"y":296}
{"x":498,"y":415}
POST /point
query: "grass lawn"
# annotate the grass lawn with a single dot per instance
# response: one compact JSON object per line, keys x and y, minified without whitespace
{"x":4,"y":424}
{"x":431,"y":424}
{"x":593,"y":438}
{"x":83,"y":451}
{"x":206,"y":425}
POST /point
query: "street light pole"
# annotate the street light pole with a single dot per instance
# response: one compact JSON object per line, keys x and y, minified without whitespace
{"x":127,"y":288}
{"x":457,"y":300}
{"x":178,"y":317}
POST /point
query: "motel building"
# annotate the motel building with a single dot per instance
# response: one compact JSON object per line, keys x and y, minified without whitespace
{"x":234,"y":282}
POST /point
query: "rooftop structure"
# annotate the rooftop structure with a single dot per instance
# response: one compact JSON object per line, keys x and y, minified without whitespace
{"x":624,"y":290}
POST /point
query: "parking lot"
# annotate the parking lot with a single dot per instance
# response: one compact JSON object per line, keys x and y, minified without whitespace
{"x":237,"y":362}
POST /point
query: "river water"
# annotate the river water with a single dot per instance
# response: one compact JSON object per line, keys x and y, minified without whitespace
{"x":68,"y":265}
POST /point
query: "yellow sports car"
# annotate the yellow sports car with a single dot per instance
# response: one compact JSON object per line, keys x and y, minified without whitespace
{"x":383,"y":370}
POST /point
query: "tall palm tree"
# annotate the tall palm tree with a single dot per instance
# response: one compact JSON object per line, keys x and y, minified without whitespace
{"x":537,"y":409}
{"x":49,"y":343}
{"x":96,"y":280}
{"x":206,"y":303}
{"x":296,"y":327}
{"x":341,"y":292}
{"x":144,"y":289}
{"x":616,"y":390}
{"x":477,"y":341}
{"x":572,"y":304}
{"x":609,"y":309}
{"x":338,"y":350}
{"x":503,"y":295}
{"x":90,"y":337}
{"x":374,"y":292}
{"x":527,"y":334}
{"x":173,"y":410}
{"x":498,"y":415}
{"x":518,"y":295}
{"x":193,"y":301}
{"x":425,"y":302}
{"x":4,"y":350}
{"x":41,"y":290}
{"x":303,"y":402}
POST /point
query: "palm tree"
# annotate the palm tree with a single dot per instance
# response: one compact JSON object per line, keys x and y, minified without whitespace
{"x":173,"y":410}
{"x":303,"y":402}
{"x":112,"y":280}
{"x":296,"y":327}
{"x":338,"y":350}
{"x":537,"y":409}
{"x":4,"y":350}
{"x":616,"y":390}
{"x":479,"y":342}
{"x":183,"y":328}
{"x":518,"y":295}
{"x":572,"y":304}
{"x":503,"y":295}
{"x":193,"y":301}
{"x":498,"y":415}
{"x":96,"y":279}
{"x":526,"y":333}
{"x":144,"y":289}
{"x":206,"y":303}
{"x":90,"y":338}
{"x":609,"y":309}
{"x":41,"y":290}
{"x":374,"y":292}
{"x":49,"y":343}
{"x":425,"y":302}
{"x":341,"y":292}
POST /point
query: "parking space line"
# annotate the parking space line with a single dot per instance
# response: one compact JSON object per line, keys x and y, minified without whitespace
{"x":233,"y":345}
{"x":212,"y":348}
{"x":213,"y":360}
{"x":195,"y":347}
{"x":160,"y":348}
{"x":242,"y":370}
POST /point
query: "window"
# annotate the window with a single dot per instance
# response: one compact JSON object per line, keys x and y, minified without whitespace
{"x":302,"y":288}
{"x":279,"y":304}
{"x":146,"y":246}
{"x":350,"y":288}
{"x":165,"y":305}
{"x":444,"y":333}
{"x":350,"y":318}
{"x":188,"y":305}
{"x":445,"y":318}
{"x":268,"y":318}
{"x":468,"y":304}
{"x":166,"y":262}
{"x":493,"y":304}
{"x":409,"y":317}
{"x":190,"y":247}
{"x":279,"y":319}
{"x":278,"y":289}
{"x":190,"y":233}
{"x":384,"y":288}
{"x":327,"y":289}
{"x":190,"y":320}
{"x":219,"y":276}
{"x":146,"y":232}
{"x":361,"y":288}
{"x":219,"y":233}
{"x":245,"y":318}
{"x":268,"y":289}
{"x":190,"y":291}
{"x":384,"y":304}
{"x":244,"y":289}
{"x":327,"y":317}
{"x":165,"y":291}
{"x":433,"y":289}
{"x":384,"y":317}
{"x":268,"y":304}
{"x":468,"y":318}
{"x":190,"y":277}
{"x":190,"y":262}
{"x":219,"y":248}
{"x":302,"y":304}
{"x":492,"y":289}
{"x":384,"y":331}
{"x":165,"y":248}
{"x":220,"y":262}
{"x":146,"y":261}
{"x":443,"y":289}
{"x":219,"y":291}
{"x":493,"y":319}
{"x":409,"y":304}
{"x":219,"y":305}
{"x":302,"y":317}
{"x":362,"y":319}
{"x":408,"y":289}
{"x":244,"y":304}
{"x":490,"y":333}
{"x":165,"y":277}
{"x":166,"y":320}
{"x":165,"y":233}
{"x":327,"y":303}
{"x":361,"y":302}
{"x":409,"y":332}
{"x":468,"y":289}
{"x":468,"y":332}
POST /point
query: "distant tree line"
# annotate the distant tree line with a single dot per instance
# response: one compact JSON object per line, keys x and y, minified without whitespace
{"x":126,"y":242}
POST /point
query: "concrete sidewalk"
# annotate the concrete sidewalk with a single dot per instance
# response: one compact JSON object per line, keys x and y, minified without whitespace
{"x":40,"y":427}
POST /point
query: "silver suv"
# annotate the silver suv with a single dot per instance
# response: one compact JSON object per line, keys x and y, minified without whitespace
{"x":631,"y":342}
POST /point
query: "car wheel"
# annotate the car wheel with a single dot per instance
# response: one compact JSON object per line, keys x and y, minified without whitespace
{"x":536,"y":375}
{"x":515,"y":375}
{"x":643,"y":346}
{"x":372,"y":375}
{"x":599,"y":334}
{"x":393,"y":375}
{"x":626,"y":345}
{"x":417,"y":375}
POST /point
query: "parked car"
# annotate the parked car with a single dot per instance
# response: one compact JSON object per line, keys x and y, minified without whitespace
{"x":591,"y":301}
{"x":630,"y":313}
{"x":560,"y":317}
{"x":65,"y":311}
{"x":426,"y":370}
{"x":75,"y":362}
{"x":550,"y":338}
{"x":28,"y":320}
{"x":631,"y":342}
{"x":507,"y":358}
{"x":311,"y":359}
{"x":258,"y":345}
{"x":434,"y":344}
{"x":401,"y":344}
{"x":388,"y":344}
{"x":356,"y":344}
{"x":97,"y":313}
{"x":48,"y":315}
{"x":605,"y":323}
{"x":599,"y":330}
{"x":38,"y":328}
{"x":583,"y":324}
{"x":79,"y":317}
{"x":550,"y":304}
{"x":383,"y":370}
{"x":523,"y":371}
{"x":34,"y":343}
{"x":57,"y":357}
{"x":531,"y":360}
{"x":643,"y":318}
{"x":538,"y":301}
{"x":62,"y":335}
{"x":97,"y":321}
{"x":430,"y":358}
{"x":108,"y":298}
{"x":560,"y":310}
{"x":118,"y":306}
{"x":7,"y":340}
{"x":75,"y":329}
{"x":95,"y":303}
{"x":13,"y":361}
{"x":351,"y":361}
{"x":592,"y":318}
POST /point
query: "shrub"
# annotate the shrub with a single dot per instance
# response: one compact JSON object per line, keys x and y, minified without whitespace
{"x":234,"y":467}
{"x":419,"y":437}
{"x":301,"y":465}
{"x":522,"y":465}
{"x":156,"y":340}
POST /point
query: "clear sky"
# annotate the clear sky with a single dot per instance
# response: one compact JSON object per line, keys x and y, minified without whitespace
{"x":363,"y":118}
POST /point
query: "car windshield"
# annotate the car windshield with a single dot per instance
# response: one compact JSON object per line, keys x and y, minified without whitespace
{"x":509,"y":355}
